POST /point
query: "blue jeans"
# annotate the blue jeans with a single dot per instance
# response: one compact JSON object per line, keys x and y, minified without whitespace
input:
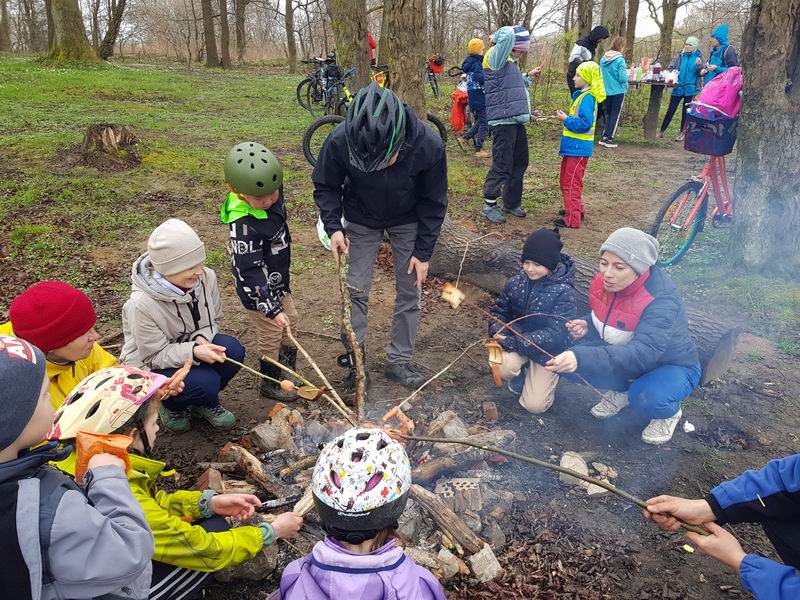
{"x":479,"y":128}
{"x":205,"y":381}
{"x":655,"y":395}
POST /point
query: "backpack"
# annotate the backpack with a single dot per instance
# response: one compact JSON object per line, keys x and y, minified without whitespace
{"x":720,"y":97}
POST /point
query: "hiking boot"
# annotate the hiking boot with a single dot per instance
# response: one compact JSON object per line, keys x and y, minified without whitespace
{"x":174,"y":420}
{"x":217,"y":417}
{"x":348,"y":361}
{"x":270,"y":389}
{"x":517,"y":384}
{"x":517,"y":211}
{"x":482,"y":153}
{"x":660,"y":431}
{"x":610,"y":405}
{"x":681,"y":137}
{"x":494,"y":214}
{"x":404,"y":373}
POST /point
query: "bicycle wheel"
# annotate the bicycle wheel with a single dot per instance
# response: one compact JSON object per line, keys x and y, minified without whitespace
{"x":436,"y":124}
{"x":316,"y":134}
{"x":673,"y":233}
{"x":315,"y":98}
{"x":341,"y":108}
{"x":302,"y":92}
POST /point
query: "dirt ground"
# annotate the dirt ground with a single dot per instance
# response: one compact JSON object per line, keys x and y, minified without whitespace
{"x":603,"y":545}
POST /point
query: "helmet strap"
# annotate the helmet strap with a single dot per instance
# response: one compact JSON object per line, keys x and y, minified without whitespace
{"x":139,"y":423}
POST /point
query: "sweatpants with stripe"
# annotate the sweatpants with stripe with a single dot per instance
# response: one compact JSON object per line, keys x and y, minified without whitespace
{"x":572,"y":171}
{"x":176,"y":583}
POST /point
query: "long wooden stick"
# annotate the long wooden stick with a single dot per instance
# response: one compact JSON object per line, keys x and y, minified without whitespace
{"x":355,"y":347}
{"x":540,"y":463}
{"x":253,"y":371}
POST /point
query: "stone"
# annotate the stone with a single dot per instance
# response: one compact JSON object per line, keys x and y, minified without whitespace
{"x":574,"y":461}
{"x":484,"y":565}
{"x":210,"y":479}
{"x":497,"y":503}
{"x":489,"y":411}
{"x":448,"y":564}
{"x":447,"y":425}
{"x":604,"y":470}
{"x":423,"y":558}
{"x":277,"y":434}
{"x":410,"y":522}
{"x":595,"y":491}
{"x":493,"y":533}
{"x":461,"y":493}
{"x":473,"y":521}
{"x":444,"y":490}
{"x":258,"y":568}
{"x":317,"y":432}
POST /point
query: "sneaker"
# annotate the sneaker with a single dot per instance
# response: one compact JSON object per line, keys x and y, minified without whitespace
{"x":174,"y":420}
{"x":660,"y":431}
{"x":560,"y":222}
{"x":494,"y":214}
{"x":610,"y":405}
{"x":608,"y":143}
{"x":482,"y":154}
{"x":562,"y":212}
{"x":404,"y":373}
{"x":516,"y":211}
{"x":516,"y":384}
{"x":218,"y":417}
{"x":681,"y":137}
{"x":661,"y":135}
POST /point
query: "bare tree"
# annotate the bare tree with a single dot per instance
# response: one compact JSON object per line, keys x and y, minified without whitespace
{"x":766,"y":232}
{"x":383,"y":41}
{"x":116,"y":10}
{"x":69,"y":35}
{"x":291,"y":45}
{"x":584,"y":17}
{"x":438,"y":24}
{"x":209,"y":35}
{"x":630,"y":31}
{"x":349,"y":20}
{"x":239,"y":8}
{"x":5,"y":27}
{"x":406,"y":54}
{"x":224,"y":35}
{"x":666,"y":23}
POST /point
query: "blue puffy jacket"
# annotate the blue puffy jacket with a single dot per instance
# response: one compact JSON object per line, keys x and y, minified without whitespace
{"x":473,"y":68}
{"x":688,"y":70}
{"x":724,"y":57}
{"x":771,"y":493}
{"x":554,"y":294}
{"x":581,"y":122}
{"x":615,"y":74}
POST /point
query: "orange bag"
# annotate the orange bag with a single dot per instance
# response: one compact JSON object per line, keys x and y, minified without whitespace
{"x":88,"y":444}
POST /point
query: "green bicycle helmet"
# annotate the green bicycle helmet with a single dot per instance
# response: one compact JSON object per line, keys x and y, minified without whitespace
{"x":252,"y":169}
{"x":374,"y":128}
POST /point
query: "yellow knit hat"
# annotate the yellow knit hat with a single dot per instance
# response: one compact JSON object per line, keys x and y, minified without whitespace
{"x":475,"y":46}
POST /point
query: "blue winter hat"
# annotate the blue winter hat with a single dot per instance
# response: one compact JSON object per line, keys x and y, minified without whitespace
{"x":522,"y":38}
{"x":721,"y":34}
{"x":22,"y":369}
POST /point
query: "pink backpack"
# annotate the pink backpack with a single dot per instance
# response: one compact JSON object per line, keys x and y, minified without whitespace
{"x":720,"y":97}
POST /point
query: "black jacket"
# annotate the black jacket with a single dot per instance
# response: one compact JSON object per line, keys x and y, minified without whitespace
{"x":414,"y":189}
{"x":261,"y":253}
{"x":521,"y":296}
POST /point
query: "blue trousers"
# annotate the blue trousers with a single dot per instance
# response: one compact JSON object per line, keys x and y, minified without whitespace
{"x":479,"y":129}
{"x":654,"y":395}
{"x":205,"y":381}
{"x":613,"y":109}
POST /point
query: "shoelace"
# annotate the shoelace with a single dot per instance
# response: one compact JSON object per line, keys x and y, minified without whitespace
{"x":217,"y":410}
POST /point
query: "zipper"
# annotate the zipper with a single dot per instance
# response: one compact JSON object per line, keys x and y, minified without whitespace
{"x":608,"y":315}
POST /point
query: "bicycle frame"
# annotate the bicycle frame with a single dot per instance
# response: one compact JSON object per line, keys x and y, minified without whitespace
{"x":712,"y":176}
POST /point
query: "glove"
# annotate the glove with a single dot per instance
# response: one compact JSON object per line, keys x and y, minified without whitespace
{"x":270,"y":307}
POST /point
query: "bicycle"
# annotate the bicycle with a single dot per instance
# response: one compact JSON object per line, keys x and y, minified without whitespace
{"x":316,"y":79}
{"x":434,"y":67}
{"x":684,"y":213}
{"x":335,"y":97}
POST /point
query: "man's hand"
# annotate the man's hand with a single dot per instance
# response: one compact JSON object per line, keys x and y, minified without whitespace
{"x":720,"y":545}
{"x":421,"y":268}
{"x":241,"y":506}
{"x":281,"y":320}
{"x":577,"y":328}
{"x":535,"y":72}
{"x":672,"y":508}
{"x":209,"y":353}
{"x":339,"y":245}
{"x":286,"y":525}
{"x":566,"y":362}
{"x":561,"y":115}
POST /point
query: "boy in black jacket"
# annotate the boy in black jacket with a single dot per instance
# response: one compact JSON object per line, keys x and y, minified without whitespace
{"x":260,"y":248}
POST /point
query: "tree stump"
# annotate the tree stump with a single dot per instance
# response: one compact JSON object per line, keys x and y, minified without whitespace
{"x":110,"y":147}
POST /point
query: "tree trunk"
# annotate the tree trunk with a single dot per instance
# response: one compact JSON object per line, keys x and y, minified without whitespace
{"x":5,"y":28}
{"x":438,"y":25}
{"x":614,"y":18}
{"x":96,"y":25}
{"x":51,"y":28}
{"x":349,"y":20}
{"x":568,"y":37}
{"x":407,"y":54}
{"x":489,"y":264}
{"x":69,"y":36}
{"x":383,"y":40}
{"x":630,"y":30}
{"x":224,"y":35}
{"x":766,"y":233}
{"x":291,"y":44}
{"x":239,"y":7}
{"x":505,"y":13}
{"x":209,"y":36}
{"x":584,"y":17}
{"x":667,"y":27}
{"x":114,"y":23}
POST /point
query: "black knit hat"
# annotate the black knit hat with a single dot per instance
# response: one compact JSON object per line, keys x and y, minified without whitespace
{"x":544,"y":247}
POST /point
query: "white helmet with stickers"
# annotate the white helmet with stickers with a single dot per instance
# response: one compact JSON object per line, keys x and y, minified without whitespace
{"x":360,"y":484}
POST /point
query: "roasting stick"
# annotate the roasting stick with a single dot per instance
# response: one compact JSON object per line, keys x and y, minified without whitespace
{"x":540,"y":463}
{"x":352,"y":338}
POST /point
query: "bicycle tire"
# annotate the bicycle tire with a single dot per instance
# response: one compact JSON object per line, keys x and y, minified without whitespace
{"x":314,"y":99}
{"x":439,"y":126}
{"x":308,"y":136}
{"x":302,"y":93}
{"x":341,"y":108}
{"x":667,"y":241}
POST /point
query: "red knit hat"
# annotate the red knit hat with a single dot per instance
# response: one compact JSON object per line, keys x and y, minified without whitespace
{"x":51,"y":314}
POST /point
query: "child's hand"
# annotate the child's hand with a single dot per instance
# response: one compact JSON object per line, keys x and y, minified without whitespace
{"x":561,"y":115}
{"x":104,"y":459}
{"x":241,"y":506}
{"x":720,"y":545}
{"x":286,"y":525}
{"x":672,"y":508}
{"x":209,"y":353}
{"x":339,"y":245}
{"x":535,"y":72}
{"x":281,"y":320}
{"x":577,"y":328}
{"x":703,"y":71}
{"x":566,"y":362}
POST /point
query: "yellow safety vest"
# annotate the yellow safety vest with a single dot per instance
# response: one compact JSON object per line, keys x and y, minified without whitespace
{"x":589,"y":135}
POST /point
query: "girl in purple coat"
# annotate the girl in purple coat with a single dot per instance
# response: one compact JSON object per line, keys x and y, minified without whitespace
{"x":361,"y":483}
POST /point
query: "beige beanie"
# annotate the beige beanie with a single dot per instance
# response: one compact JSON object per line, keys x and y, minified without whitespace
{"x":174,"y":247}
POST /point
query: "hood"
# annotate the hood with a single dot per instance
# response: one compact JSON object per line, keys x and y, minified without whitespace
{"x":30,"y":462}
{"x":565,"y":271}
{"x":415,"y":131}
{"x":598,"y":33}
{"x":611,"y":55}
{"x":721,"y":34}
{"x":143,"y":281}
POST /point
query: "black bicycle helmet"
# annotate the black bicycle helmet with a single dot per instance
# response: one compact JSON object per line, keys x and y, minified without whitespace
{"x":374,"y":128}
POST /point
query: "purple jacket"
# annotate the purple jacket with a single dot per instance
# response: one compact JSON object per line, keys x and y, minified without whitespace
{"x":331,"y":573}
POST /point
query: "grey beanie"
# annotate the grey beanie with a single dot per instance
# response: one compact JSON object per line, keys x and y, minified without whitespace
{"x":174,"y":247}
{"x":637,"y":248}
{"x":22,"y":369}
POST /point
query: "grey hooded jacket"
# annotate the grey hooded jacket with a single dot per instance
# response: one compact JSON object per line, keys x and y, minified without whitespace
{"x":160,"y":325}
{"x":75,"y":545}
